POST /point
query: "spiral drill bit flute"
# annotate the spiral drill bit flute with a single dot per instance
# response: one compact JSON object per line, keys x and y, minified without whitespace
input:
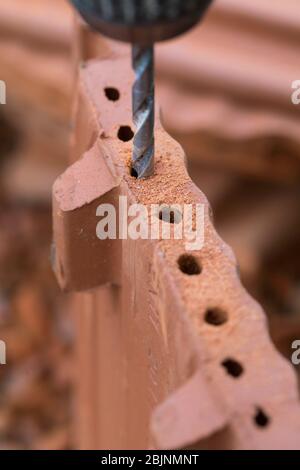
{"x":142,"y":23}
{"x":143,"y":111}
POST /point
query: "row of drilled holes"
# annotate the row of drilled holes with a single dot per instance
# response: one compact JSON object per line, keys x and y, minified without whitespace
{"x":189,"y":265}
{"x":125,"y":133}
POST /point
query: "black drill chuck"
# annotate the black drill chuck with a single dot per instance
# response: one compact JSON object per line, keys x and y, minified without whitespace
{"x":142,"y":21}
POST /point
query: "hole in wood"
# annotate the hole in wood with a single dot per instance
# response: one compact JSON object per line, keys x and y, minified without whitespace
{"x":112,"y":94}
{"x":215,"y":316}
{"x":261,"y":419}
{"x":170,"y":215}
{"x":133,"y":172}
{"x":188,"y":264}
{"x":233,"y":368}
{"x":125,"y":133}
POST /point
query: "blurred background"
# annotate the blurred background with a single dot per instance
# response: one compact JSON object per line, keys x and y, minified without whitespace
{"x":225,"y":94}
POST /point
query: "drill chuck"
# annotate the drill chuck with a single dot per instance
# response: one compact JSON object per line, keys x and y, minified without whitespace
{"x":142,"y":21}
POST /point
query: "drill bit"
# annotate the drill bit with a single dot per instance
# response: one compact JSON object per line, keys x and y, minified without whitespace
{"x":142,"y":23}
{"x":143,"y":111}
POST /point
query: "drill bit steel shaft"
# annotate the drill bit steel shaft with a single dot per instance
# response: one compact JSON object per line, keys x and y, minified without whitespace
{"x":143,"y":111}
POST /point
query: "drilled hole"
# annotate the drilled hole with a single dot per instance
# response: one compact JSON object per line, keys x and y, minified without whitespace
{"x":233,"y":368}
{"x":216,"y":316}
{"x":170,"y":215}
{"x":261,"y":419}
{"x":112,"y":94}
{"x":133,"y":172}
{"x":125,"y":133}
{"x":188,"y":264}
